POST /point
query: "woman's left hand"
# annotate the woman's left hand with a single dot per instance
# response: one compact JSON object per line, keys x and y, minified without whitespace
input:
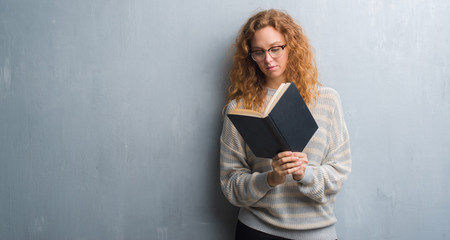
{"x":300,"y":173}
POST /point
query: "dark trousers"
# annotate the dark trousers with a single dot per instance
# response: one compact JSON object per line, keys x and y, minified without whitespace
{"x":244,"y":232}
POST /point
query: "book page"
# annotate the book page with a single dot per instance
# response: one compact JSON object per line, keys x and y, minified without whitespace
{"x":273,"y":101}
{"x":246,"y":112}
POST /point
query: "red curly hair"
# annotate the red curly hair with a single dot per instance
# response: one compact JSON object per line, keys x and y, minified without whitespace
{"x":248,"y":81}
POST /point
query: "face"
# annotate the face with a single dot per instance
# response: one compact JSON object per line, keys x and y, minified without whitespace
{"x":273,"y":68}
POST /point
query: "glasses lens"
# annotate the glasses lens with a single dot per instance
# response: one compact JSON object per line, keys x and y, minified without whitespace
{"x":276,"y":52}
{"x":258,"y":55}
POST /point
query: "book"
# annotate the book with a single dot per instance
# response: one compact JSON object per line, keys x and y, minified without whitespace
{"x":286,"y":124}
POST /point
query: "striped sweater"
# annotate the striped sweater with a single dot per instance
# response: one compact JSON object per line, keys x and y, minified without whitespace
{"x":296,"y":209}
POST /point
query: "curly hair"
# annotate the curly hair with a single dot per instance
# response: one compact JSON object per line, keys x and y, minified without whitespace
{"x":247,"y":85}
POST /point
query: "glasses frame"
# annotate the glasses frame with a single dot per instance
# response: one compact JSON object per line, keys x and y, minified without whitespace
{"x":269,"y":51}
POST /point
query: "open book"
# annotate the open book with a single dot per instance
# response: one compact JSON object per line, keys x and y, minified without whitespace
{"x":286,"y":124}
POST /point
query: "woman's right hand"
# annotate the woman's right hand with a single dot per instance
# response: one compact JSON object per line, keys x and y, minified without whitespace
{"x":283,"y":164}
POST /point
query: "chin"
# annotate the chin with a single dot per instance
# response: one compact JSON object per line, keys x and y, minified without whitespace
{"x":273,"y":76}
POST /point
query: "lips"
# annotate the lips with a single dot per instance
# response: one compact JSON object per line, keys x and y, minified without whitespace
{"x":271,"y":68}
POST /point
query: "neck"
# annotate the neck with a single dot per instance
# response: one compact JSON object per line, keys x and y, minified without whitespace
{"x":275,"y":82}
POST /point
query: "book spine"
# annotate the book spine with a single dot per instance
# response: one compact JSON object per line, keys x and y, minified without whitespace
{"x":284,"y":146}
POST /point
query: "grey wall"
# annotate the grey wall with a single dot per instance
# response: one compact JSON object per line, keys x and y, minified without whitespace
{"x":110,"y":113}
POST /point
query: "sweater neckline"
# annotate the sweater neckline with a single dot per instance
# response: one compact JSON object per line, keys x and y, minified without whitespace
{"x":270,"y":91}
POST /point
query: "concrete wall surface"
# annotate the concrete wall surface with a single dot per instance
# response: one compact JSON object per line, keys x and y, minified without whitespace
{"x":110,"y":115}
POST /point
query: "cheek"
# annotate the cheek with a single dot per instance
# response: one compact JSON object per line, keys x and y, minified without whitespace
{"x":285,"y":58}
{"x":261,"y":66}
{"x":284,"y":63}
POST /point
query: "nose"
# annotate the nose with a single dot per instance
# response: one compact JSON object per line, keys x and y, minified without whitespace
{"x":268,"y":58}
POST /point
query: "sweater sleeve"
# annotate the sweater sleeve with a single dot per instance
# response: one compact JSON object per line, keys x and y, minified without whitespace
{"x":322,"y":182}
{"x":239,"y":184}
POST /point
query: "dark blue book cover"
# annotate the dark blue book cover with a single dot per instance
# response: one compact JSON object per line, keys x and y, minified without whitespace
{"x":288,"y":126}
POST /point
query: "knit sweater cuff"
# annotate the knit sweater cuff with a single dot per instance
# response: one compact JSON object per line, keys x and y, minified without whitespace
{"x":261,"y":182}
{"x":309,"y":176}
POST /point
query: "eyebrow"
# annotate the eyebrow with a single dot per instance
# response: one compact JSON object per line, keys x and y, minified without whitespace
{"x":271,"y":45}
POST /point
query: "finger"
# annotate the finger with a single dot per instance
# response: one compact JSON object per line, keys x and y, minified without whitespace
{"x":285,"y":166}
{"x":303,"y":161}
{"x":302,"y":157}
{"x":283,"y":154}
{"x":288,"y":160}
{"x":292,"y":170}
{"x":291,"y":165}
{"x":300,"y":154}
{"x":299,"y":173}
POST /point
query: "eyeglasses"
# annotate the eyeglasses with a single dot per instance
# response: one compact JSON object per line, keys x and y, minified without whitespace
{"x":274,"y":52}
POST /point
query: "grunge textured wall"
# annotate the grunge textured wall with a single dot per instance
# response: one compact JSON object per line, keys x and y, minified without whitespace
{"x":110,"y":115}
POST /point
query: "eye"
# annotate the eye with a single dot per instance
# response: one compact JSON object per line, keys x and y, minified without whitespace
{"x":258,"y":53}
{"x":275,"y":49}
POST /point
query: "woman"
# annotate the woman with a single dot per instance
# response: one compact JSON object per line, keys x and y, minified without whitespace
{"x":292,"y":195}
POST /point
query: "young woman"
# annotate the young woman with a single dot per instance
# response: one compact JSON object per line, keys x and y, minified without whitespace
{"x":292,"y":195}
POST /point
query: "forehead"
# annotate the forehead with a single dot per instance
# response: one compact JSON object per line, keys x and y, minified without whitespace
{"x":267,"y":37}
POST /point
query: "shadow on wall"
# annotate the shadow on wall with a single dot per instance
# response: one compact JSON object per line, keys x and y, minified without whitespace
{"x":225,"y":213}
